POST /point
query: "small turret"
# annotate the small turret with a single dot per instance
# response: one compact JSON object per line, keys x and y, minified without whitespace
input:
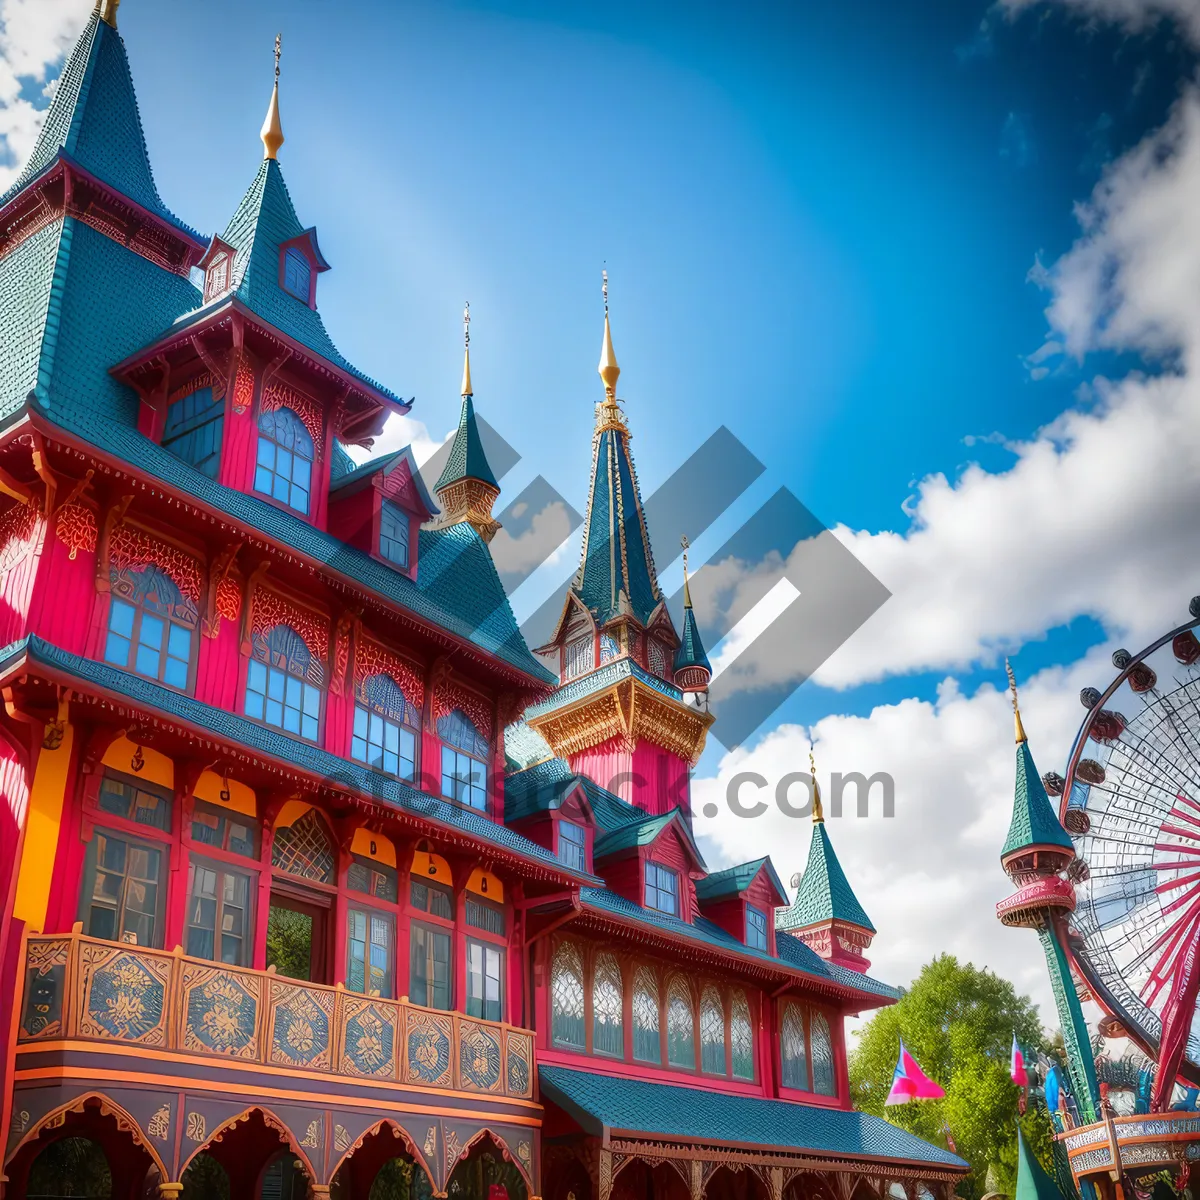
{"x":693,"y":673}
{"x":467,"y":488}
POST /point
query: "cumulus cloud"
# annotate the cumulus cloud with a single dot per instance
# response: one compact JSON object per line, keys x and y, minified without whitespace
{"x":1134,"y":15}
{"x":35,"y":35}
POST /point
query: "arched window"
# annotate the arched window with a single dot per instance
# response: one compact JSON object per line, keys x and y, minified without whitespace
{"x":741,"y":1035}
{"x":681,"y":1031}
{"x":285,"y":459}
{"x":193,"y":430}
{"x":608,"y":1002}
{"x":566,"y":997}
{"x":579,"y":656}
{"x":824,"y":1079}
{"x":304,"y":849}
{"x":712,"y":1032}
{"x":282,"y":683}
{"x":464,"y":760}
{"x":216,"y":281}
{"x":646,"y":1044}
{"x":658,"y":658}
{"x":70,"y":1166}
{"x":297,"y":274}
{"x":792,"y":1048}
{"x":385,"y":729}
{"x":151,"y":626}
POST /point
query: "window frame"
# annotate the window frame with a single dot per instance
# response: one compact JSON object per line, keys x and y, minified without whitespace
{"x":135,"y":644}
{"x":456,"y":752}
{"x":214,"y":414}
{"x":92,"y":868}
{"x":598,"y":956}
{"x":567,"y":948}
{"x":291,"y":251}
{"x":262,"y":435}
{"x":561,"y":824}
{"x":753,"y":912}
{"x":374,"y":709}
{"x":223,"y":866}
{"x":393,"y":510}
{"x":660,"y":870}
{"x":426,"y":918}
{"x":801,"y":1011}
{"x":366,"y":906}
{"x":678,"y":980}
{"x":268,"y":665}
{"x":485,"y":945}
{"x":437,"y":930}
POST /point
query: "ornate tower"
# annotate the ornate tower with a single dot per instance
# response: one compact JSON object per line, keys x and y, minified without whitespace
{"x":620,"y":715}
{"x":826,"y":914}
{"x":1037,"y":857}
{"x":467,"y":487}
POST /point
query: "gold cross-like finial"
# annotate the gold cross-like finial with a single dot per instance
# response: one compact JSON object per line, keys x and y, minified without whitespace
{"x":1012,"y":687}
{"x":278,"y":53}
{"x":604,"y":289}
{"x":818,"y":811}
{"x":467,"y":387}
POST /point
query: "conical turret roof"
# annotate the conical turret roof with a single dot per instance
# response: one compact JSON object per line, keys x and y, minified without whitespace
{"x":467,"y":458}
{"x":1034,"y":821}
{"x":1033,"y":1183}
{"x":824,"y":892}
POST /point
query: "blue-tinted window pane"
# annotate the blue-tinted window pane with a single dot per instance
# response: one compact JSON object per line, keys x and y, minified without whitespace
{"x":393,"y":534}
{"x":297,"y":274}
{"x":194,"y":429}
{"x":572,"y":844}
{"x":284,"y":459}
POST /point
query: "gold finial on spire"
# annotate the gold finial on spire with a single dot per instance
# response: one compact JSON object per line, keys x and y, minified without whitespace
{"x":272,"y":130}
{"x":609,"y":371}
{"x":818,"y":811}
{"x":108,"y":11}
{"x":467,"y":390}
{"x":1012,"y":687}
{"x":687,"y":591}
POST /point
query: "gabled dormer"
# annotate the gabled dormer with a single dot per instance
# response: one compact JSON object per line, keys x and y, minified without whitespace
{"x":300,"y":262}
{"x":217,"y":265}
{"x":380,"y":507}
{"x":742,"y":900}
{"x":547,"y":804}
{"x":653,"y":862}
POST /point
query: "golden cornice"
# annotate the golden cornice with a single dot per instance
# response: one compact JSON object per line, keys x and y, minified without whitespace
{"x":630,"y":710}
{"x":469,"y":500}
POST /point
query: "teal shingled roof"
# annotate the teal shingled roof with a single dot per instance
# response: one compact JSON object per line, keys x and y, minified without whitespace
{"x":1034,"y":822}
{"x":608,"y":1104}
{"x":279,"y":747}
{"x":265,"y":219}
{"x":467,"y":459}
{"x":599,"y":679}
{"x":94,"y":120}
{"x":617,"y":559}
{"x":691,"y":648}
{"x":733,"y":881}
{"x":824,"y":893}
{"x":26,"y":285}
{"x":1033,"y":1183}
{"x":644,"y":832}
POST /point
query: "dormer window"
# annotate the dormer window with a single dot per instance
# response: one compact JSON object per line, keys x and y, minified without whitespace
{"x":658,"y":658}
{"x":393,"y":534}
{"x":756,"y":928}
{"x":579,"y":657}
{"x":216,"y":281}
{"x":297,"y":274}
{"x":662,"y":889}
{"x":572,"y":845}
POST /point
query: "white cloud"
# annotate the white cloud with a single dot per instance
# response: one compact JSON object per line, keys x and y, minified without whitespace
{"x":400,"y":431}
{"x":543,"y":540}
{"x":35,"y":35}
{"x":1135,"y":15}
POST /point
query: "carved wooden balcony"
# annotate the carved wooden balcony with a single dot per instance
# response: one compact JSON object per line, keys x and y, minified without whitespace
{"x":79,"y":989}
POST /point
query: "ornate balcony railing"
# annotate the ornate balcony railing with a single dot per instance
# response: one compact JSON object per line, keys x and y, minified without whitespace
{"x":80,"y":989}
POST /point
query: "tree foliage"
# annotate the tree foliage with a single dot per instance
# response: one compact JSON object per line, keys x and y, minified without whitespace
{"x":959,"y":1023}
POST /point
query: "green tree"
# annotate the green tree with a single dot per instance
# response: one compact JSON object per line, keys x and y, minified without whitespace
{"x":959,"y":1022}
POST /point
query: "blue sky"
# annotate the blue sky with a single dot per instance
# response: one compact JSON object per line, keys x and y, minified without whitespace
{"x":859,"y":235}
{"x":819,"y":220}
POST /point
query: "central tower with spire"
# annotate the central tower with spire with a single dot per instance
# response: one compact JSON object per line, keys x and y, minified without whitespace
{"x":622,"y":714}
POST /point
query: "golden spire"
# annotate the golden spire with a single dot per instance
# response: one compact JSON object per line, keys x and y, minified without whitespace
{"x":1012,"y":687}
{"x":108,"y":11}
{"x":609,"y":371}
{"x":467,"y":390}
{"x":818,"y":811}
{"x":272,"y":130}
{"x":687,"y":591}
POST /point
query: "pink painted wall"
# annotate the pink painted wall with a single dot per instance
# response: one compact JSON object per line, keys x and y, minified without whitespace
{"x":63,"y":605}
{"x":18,"y":582}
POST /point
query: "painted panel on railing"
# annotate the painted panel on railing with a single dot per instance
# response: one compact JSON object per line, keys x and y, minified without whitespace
{"x":220,"y":1011}
{"x":368,"y":1038}
{"x":124,"y":995}
{"x":519,"y":1048}
{"x":479,"y":1058}
{"x":428,"y":1042}
{"x":301,"y":1021}
{"x":45,"y":990}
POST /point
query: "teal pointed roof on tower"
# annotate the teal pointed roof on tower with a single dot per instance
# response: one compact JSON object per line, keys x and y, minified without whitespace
{"x":824,"y":893}
{"x":1034,"y":821}
{"x":467,"y":458}
{"x":263,"y":222}
{"x":617,"y":559}
{"x":691,"y":648}
{"x":94,"y":121}
{"x":1033,"y":1183}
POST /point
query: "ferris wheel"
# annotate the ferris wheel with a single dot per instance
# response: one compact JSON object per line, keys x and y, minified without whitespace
{"x":1131,"y":803}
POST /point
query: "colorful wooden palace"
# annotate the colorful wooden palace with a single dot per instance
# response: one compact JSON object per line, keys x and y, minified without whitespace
{"x":311,"y":885}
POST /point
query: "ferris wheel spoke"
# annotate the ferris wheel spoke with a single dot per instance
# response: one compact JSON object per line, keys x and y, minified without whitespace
{"x":1183,"y":881}
{"x":1168,"y":964}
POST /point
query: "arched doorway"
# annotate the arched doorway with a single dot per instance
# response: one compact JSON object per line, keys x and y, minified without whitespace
{"x":485,"y":1173}
{"x":638,"y":1180}
{"x":259,"y":1159}
{"x":729,"y":1184}
{"x":564,"y":1177}
{"x":381,"y":1166}
{"x":89,"y":1154}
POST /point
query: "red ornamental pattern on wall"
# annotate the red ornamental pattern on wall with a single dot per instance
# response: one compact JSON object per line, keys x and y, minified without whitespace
{"x":373,"y":659}
{"x":18,"y":535}
{"x":131,"y":548}
{"x":279,"y":395}
{"x":204,"y":380}
{"x":451,"y":696}
{"x":243,"y":385}
{"x":229,"y":598}
{"x":76,"y":528}
{"x":271,"y":609}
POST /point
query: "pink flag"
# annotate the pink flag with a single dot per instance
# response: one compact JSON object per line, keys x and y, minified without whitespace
{"x":1017,"y":1066}
{"x":910,"y":1082}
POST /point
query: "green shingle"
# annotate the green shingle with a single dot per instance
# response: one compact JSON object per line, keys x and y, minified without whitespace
{"x":691,"y":647}
{"x":26,"y":285}
{"x":94,"y":120}
{"x":824,"y":893}
{"x":643,"y":832}
{"x":1034,"y":822}
{"x":607,"y":1104}
{"x":734,"y":880}
{"x":467,"y":459}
